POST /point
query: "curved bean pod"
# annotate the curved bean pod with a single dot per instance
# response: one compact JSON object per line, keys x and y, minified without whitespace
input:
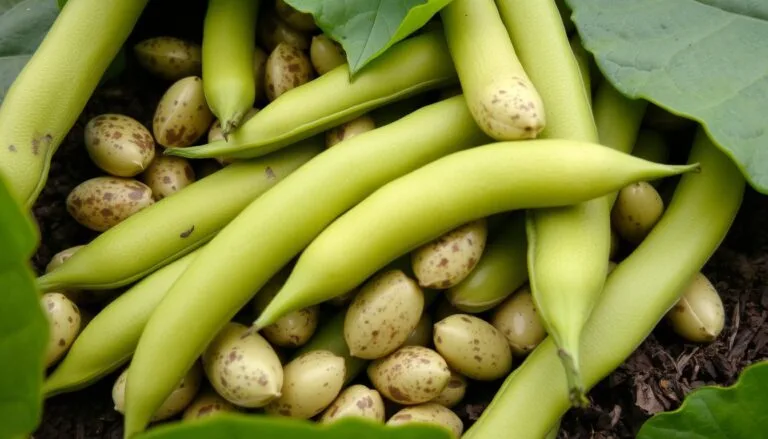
{"x":270,"y":232}
{"x":108,"y":341}
{"x":409,"y":67}
{"x":47,"y":97}
{"x":495,"y":178}
{"x":502,"y":270}
{"x":503,"y":100}
{"x":637,"y":295}
{"x":175,"y":225}
{"x":229,"y":30}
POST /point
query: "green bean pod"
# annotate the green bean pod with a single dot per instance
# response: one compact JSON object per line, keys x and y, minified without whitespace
{"x":412,"y":66}
{"x":637,"y":295}
{"x":503,"y":100}
{"x":175,"y":225}
{"x":48,"y":95}
{"x":495,"y":178}
{"x":229,"y":30}
{"x":502,"y":269}
{"x":108,"y":341}
{"x":568,"y":247}
{"x":269,"y":233}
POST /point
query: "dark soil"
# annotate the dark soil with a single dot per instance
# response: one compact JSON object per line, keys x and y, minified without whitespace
{"x":655,"y":378}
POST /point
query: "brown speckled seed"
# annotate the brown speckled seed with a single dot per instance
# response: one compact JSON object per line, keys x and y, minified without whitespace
{"x":430,"y":413}
{"x":454,"y":392}
{"x":208,"y":403}
{"x":119,"y":145}
{"x":449,"y":259}
{"x":182,"y":115}
{"x":169,"y":58}
{"x":293,"y":329}
{"x":273,"y":31}
{"x":168,"y":175}
{"x":518,"y":320}
{"x":355,"y":401}
{"x":175,"y":403}
{"x":242,"y":367}
{"x":312,"y":381}
{"x":64,"y":325}
{"x":349,"y":130}
{"x":473,"y":347}
{"x":410,"y":375}
{"x":382,"y":315}
{"x":510,"y":109}
{"x":298,"y":20}
{"x":103,"y":202}
{"x":287,"y":68}
{"x":637,"y":209}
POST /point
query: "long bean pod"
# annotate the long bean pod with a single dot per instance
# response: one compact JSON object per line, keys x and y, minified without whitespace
{"x":637,"y":295}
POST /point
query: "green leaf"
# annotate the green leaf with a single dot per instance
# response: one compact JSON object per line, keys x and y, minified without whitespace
{"x":23,"y":24}
{"x":706,"y":60}
{"x":241,"y":426}
{"x":366,"y":28}
{"x":23,"y":326}
{"x":736,"y":412}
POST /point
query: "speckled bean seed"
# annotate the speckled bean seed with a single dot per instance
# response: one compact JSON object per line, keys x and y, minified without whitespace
{"x":473,"y":347}
{"x":298,"y":20}
{"x":454,"y":392}
{"x":242,"y":367}
{"x":447,"y":260}
{"x":349,"y":130}
{"x":382,"y":315}
{"x":207,"y":403}
{"x":177,"y":401}
{"x":410,"y":375}
{"x":698,"y":315}
{"x":312,"y":381}
{"x":356,"y":400}
{"x":325,"y":54}
{"x":169,"y":58}
{"x":64,"y":325}
{"x":102,"y":202}
{"x":287,"y":68}
{"x":182,"y":115}
{"x":295,"y":328}
{"x":429,"y":413}
{"x":168,"y":175}
{"x":637,"y":209}
{"x":119,"y":145}
{"x":518,"y":320}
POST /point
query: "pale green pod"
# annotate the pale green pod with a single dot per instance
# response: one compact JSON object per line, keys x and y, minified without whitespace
{"x":229,"y":30}
{"x":496,"y":177}
{"x":410,"y":67}
{"x":175,"y":225}
{"x":108,"y":341}
{"x":501,"y":270}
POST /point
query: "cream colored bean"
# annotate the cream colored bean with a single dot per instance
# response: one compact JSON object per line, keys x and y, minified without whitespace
{"x":175,"y":403}
{"x":325,"y":54}
{"x":638,"y":208}
{"x":356,"y":400}
{"x":103,"y":202}
{"x":454,"y":392}
{"x":349,"y":130}
{"x":169,"y":58}
{"x":287,"y":68}
{"x":698,"y":315}
{"x":429,"y":413}
{"x":64,"y":324}
{"x":449,"y":259}
{"x":518,"y":320}
{"x":168,"y":175}
{"x":473,"y":347}
{"x":182,"y":115}
{"x":119,"y":145}
{"x":208,"y":403}
{"x":410,"y":375}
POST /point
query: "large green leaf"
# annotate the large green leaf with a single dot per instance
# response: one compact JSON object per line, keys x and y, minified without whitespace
{"x":23,"y":24}
{"x":736,"y":412}
{"x":23,"y":326}
{"x":703,"y":59}
{"x":239,"y":426}
{"x":366,"y":28}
